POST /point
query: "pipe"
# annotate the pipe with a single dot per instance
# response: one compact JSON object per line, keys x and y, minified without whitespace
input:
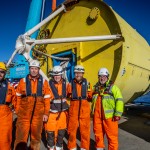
{"x":50,"y":17}
{"x":53,"y":5}
{"x":43,"y":75}
{"x":11,"y":58}
{"x":74,"y":39}
{"x":43,"y":8}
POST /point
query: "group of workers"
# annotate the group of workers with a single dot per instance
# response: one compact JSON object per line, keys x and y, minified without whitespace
{"x":59,"y":107}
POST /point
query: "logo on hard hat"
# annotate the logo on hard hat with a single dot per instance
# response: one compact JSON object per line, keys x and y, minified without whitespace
{"x":56,"y":72}
{"x":34,"y":63}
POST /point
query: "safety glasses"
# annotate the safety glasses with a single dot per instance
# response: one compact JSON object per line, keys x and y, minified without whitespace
{"x":102,"y":76}
{"x":79,"y":69}
{"x":2,"y":72}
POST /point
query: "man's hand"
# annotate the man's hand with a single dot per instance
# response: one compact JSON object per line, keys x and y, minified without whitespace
{"x":16,"y":111}
{"x":89,"y":98}
{"x":116,"y":118}
{"x":45,"y":118}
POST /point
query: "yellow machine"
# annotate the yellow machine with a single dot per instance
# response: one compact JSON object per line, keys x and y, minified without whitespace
{"x":127,"y":58}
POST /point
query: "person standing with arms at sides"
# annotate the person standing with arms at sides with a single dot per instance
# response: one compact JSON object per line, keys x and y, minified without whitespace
{"x":57,"y":122}
{"x":107,"y":107}
{"x":33,"y":104}
{"x":80,"y":93}
{"x":7,"y":97}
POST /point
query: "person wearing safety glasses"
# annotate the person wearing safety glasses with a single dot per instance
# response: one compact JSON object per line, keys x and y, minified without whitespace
{"x":107,"y":108}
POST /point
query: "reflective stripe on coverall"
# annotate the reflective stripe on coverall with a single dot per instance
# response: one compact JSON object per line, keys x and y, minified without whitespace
{"x":32,"y":94}
{"x":79,"y":114}
{"x":57,"y":122}
{"x":7,"y":96}
{"x":107,"y":105}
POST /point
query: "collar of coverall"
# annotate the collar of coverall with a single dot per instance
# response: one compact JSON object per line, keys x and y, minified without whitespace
{"x":79,"y":82}
{"x":55,"y":82}
{"x":31,"y":78}
{"x":104,"y":85}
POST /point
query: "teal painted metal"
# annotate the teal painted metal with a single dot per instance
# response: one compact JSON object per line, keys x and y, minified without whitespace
{"x":71,"y":63}
{"x":19,"y":70}
{"x":34,"y":15}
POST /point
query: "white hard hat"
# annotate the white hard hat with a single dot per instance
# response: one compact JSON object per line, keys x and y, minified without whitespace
{"x":103,"y":71}
{"x":79,"y":68}
{"x":57,"y":70}
{"x":34,"y":63}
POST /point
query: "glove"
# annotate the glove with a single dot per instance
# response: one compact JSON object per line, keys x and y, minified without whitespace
{"x":116,"y":118}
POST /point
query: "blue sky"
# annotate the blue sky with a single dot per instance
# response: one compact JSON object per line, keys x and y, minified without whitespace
{"x":13,"y":16}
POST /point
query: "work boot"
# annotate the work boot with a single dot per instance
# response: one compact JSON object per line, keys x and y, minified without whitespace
{"x":59,"y":148}
{"x":51,"y":148}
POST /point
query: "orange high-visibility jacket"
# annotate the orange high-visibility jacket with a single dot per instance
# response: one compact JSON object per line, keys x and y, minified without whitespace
{"x":7,"y":93}
{"x":22,"y":92}
{"x":75,"y":104}
{"x":7,"y":98}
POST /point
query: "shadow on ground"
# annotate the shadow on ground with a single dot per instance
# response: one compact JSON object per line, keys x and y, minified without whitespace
{"x":137,"y":122}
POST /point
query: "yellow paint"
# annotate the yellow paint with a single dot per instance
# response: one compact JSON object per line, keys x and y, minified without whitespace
{"x":131,"y":53}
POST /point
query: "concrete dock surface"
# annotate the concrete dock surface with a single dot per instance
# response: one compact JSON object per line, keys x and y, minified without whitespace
{"x":134,"y":131}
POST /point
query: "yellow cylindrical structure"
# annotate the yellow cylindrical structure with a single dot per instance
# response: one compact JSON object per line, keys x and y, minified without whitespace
{"x":128,"y":59}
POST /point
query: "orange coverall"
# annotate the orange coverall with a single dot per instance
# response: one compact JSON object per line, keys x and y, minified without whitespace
{"x":57,"y":122}
{"x":26,"y":123}
{"x":79,"y":116}
{"x":6,"y":119}
{"x":102,"y":126}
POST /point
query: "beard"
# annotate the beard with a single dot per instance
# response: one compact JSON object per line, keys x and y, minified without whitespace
{"x":1,"y":78}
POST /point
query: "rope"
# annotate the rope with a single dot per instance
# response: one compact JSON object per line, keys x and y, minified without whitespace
{"x":50,"y":56}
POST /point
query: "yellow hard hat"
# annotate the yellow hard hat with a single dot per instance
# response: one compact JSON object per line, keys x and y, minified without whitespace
{"x":2,"y":66}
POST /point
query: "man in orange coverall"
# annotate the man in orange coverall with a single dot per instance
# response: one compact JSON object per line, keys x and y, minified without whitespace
{"x":7,"y":97}
{"x":107,"y":109}
{"x":33,"y":104}
{"x":57,"y":122}
{"x":79,"y":111}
